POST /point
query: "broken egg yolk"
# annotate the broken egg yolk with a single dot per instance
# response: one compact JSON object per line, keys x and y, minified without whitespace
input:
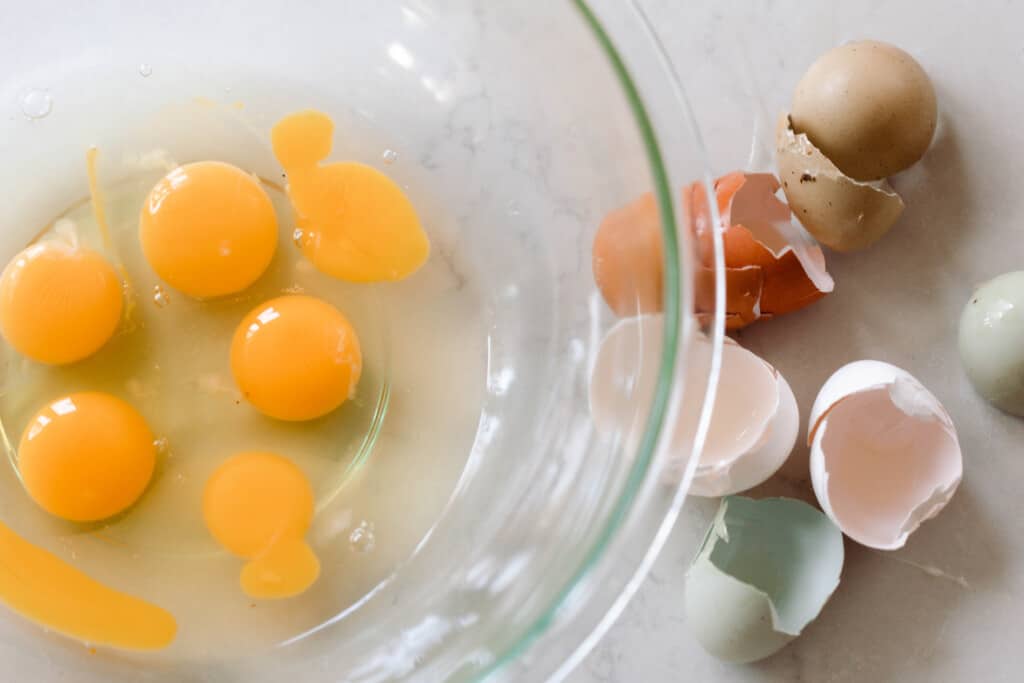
{"x":208,"y":229}
{"x":42,"y":587}
{"x":259,"y":506}
{"x":86,"y":456}
{"x":354,"y":223}
{"x":59,"y":303}
{"x":296,"y":358}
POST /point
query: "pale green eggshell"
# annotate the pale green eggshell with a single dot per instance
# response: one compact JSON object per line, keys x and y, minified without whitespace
{"x":766,"y":569}
{"x":992,"y":341}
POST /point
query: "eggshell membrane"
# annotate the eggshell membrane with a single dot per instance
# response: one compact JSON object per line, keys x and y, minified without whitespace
{"x":754,"y":425}
{"x":766,"y":569}
{"x":772,"y":265}
{"x":838,"y":211}
{"x":754,"y":422}
{"x":884,"y":453}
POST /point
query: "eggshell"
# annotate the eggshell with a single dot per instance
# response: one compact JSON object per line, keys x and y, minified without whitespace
{"x":884,"y":453}
{"x":754,"y":425}
{"x":992,"y":341}
{"x":765,"y":570}
{"x":773,"y":266}
{"x":754,"y":422}
{"x":627,"y":258}
{"x":869,"y":107}
{"x":840,"y":212}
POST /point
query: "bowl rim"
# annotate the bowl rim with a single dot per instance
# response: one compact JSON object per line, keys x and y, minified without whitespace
{"x":674,"y":342}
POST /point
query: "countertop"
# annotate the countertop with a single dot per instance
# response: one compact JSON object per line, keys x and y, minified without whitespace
{"x":950,"y":605}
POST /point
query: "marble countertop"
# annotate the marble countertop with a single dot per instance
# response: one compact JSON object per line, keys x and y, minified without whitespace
{"x":949,"y":606}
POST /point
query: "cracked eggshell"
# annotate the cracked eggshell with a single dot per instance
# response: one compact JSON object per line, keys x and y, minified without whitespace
{"x":884,"y":453}
{"x":754,"y":425}
{"x":772,"y":265}
{"x":765,"y":570}
{"x":840,"y":212}
{"x":869,"y":107}
{"x":754,"y":422}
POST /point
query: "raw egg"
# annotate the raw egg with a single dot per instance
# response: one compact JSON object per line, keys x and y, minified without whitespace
{"x":208,"y":229}
{"x":59,"y":303}
{"x":259,"y":507}
{"x":42,"y":587}
{"x":86,"y":456}
{"x":354,"y":223}
{"x":296,"y":358}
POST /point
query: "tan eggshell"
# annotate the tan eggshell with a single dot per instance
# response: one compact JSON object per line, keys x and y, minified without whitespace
{"x":884,"y":453}
{"x":839,"y":212}
{"x":869,"y":107}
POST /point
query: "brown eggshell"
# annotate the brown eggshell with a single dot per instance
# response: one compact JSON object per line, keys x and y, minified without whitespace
{"x":770,"y":269}
{"x":869,"y":107}
{"x":839,"y":212}
{"x":627,"y":258}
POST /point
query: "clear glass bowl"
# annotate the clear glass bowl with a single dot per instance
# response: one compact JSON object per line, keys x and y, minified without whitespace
{"x":521,"y":128}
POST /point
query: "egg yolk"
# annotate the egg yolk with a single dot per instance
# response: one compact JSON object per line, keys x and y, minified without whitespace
{"x":259,"y":507}
{"x":208,"y":229}
{"x":59,"y":303}
{"x":42,"y":587}
{"x":356,"y":224}
{"x":296,"y":358}
{"x":86,"y":456}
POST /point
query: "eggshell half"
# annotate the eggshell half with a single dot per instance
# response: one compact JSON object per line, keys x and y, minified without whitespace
{"x":884,"y":453}
{"x":765,"y":570}
{"x":840,"y":212}
{"x":754,"y":422}
{"x":754,"y":425}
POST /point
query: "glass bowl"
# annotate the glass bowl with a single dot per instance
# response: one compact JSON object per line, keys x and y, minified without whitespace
{"x":516,"y":131}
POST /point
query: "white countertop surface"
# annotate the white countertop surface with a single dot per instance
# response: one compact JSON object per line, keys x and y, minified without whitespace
{"x":950,"y":605}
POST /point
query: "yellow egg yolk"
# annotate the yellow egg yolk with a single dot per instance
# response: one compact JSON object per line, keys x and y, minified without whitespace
{"x":208,"y":229}
{"x":59,"y":303}
{"x":356,"y":224}
{"x":296,"y":358}
{"x":259,"y":507}
{"x":86,"y":456}
{"x":42,"y":587}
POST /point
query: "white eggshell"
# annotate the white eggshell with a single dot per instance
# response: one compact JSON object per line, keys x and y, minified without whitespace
{"x":884,"y":453}
{"x":765,"y":570}
{"x":753,"y":429}
{"x":754,"y":423}
{"x":625,"y":373}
